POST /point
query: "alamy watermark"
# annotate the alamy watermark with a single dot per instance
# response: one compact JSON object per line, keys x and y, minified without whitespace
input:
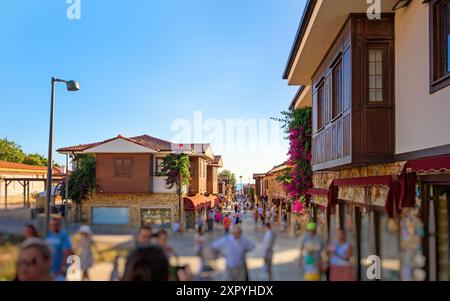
{"x":232,"y":136}
{"x":373,"y":271}
{"x":374,"y":10}
{"x":73,"y":11}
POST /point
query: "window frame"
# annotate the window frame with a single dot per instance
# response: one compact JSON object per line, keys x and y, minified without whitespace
{"x":321,"y":105}
{"x":122,"y":167}
{"x":439,"y":52}
{"x":158,"y":165}
{"x":337,"y":105}
{"x":386,"y":69}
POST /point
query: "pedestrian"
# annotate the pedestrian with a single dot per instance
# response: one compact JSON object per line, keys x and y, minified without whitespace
{"x":34,"y":261}
{"x":200,"y":241}
{"x":59,"y":241}
{"x":114,"y":276}
{"x":226,"y":223}
{"x":263,"y":218}
{"x":267,"y":249}
{"x":255,"y":216}
{"x":163,"y":243}
{"x":144,"y":236}
{"x":311,"y":246}
{"x":199,"y":221}
{"x":234,"y":248}
{"x":83,"y":248}
{"x":30,"y":231}
{"x":340,"y":252}
{"x":147,"y":264}
{"x":210,"y":224}
{"x":176,"y":227}
{"x":218,"y":216}
{"x":283,"y":226}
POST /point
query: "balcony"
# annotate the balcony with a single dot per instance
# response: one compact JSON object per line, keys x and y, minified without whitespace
{"x":353,"y":96}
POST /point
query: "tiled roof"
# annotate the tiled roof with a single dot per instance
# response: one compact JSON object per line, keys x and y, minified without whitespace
{"x":21,"y":166}
{"x":145,"y":140}
{"x":152,"y":142}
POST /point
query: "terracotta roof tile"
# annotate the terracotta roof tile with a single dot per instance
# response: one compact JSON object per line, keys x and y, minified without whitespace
{"x":21,"y":166}
{"x":145,"y":140}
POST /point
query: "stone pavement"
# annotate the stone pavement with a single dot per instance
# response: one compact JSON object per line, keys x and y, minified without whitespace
{"x":285,"y":260}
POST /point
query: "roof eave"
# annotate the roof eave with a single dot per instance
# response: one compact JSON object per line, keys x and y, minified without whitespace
{"x":307,"y":13}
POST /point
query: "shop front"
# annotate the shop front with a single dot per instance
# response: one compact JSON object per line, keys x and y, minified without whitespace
{"x":198,"y":206}
{"x":403,"y":219}
{"x":158,"y":218}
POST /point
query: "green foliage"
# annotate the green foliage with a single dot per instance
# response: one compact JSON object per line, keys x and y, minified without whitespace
{"x":295,"y":119}
{"x":176,"y":168}
{"x":228,"y":175}
{"x":35,"y":159}
{"x":82,"y":180}
{"x":285,"y":177}
{"x":11,"y":151}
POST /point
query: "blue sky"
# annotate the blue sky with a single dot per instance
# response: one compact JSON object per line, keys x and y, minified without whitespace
{"x":142,"y":64}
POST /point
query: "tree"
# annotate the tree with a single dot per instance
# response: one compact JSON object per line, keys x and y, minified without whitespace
{"x":11,"y":151}
{"x":82,"y":182}
{"x":231,"y":177}
{"x":176,"y":168}
{"x":35,"y":159}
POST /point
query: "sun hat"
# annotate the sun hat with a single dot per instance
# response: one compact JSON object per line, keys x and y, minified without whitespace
{"x":311,"y":226}
{"x":39,"y":243}
{"x":85,"y":229}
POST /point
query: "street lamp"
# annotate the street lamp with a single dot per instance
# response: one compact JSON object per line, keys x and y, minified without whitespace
{"x":71,"y":86}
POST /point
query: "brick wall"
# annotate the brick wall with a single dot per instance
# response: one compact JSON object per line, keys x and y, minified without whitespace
{"x":138,"y":182}
{"x":134,"y":202}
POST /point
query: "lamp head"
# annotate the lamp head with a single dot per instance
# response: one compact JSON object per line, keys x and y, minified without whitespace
{"x":72,"y":85}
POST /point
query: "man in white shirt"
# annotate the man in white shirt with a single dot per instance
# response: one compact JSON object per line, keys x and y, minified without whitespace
{"x":267,"y":249}
{"x":234,"y":248}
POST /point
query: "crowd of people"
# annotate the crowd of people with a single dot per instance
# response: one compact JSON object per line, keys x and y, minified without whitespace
{"x":153,"y":257}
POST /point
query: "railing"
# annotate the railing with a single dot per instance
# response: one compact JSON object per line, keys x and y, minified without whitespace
{"x":332,"y":143}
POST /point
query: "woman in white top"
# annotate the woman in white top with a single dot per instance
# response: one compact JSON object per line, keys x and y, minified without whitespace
{"x":200,"y":244}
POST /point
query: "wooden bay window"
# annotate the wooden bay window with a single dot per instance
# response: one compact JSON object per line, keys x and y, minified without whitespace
{"x":439,"y":44}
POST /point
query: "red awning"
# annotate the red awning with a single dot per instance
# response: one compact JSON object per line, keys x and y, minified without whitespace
{"x":317,"y":191}
{"x":392,"y":203}
{"x":197,"y":202}
{"x":365,"y":181}
{"x":433,"y":164}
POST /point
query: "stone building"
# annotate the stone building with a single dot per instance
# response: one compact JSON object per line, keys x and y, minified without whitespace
{"x":378,"y":87}
{"x":130,"y":189}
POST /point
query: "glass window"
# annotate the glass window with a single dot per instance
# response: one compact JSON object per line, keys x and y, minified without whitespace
{"x":110,"y":216}
{"x":337,"y":90}
{"x":447,"y":34}
{"x":159,"y":217}
{"x":440,"y":46}
{"x":367,"y":242}
{"x":122,"y":167}
{"x":375,"y":74}
{"x":321,"y":106}
{"x":118,"y":167}
{"x":389,"y":249}
{"x":127,"y":167}
{"x":159,"y":162}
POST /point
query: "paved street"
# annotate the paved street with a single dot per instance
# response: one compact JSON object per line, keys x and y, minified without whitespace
{"x":285,"y":265}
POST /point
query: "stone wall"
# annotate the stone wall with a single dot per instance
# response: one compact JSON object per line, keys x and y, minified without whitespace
{"x":134,"y":202}
{"x":376,"y":195}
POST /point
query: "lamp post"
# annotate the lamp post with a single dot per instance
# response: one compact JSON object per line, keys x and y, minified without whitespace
{"x":242,"y":187}
{"x":71,"y":86}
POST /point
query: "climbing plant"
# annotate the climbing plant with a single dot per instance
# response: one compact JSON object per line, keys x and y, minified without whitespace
{"x":176,"y":168}
{"x":81,"y":181}
{"x":297,"y":124}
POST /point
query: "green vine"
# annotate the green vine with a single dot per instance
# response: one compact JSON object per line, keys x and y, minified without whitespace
{"x":176,"y":168}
